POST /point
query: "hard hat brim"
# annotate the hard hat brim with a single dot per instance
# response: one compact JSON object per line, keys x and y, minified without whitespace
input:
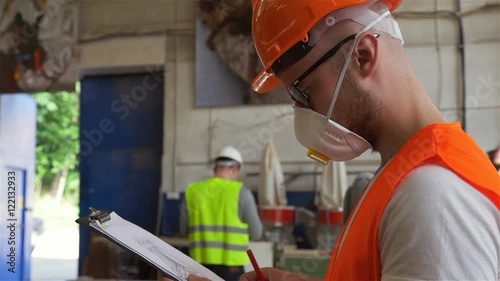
{"x":265,"y":82}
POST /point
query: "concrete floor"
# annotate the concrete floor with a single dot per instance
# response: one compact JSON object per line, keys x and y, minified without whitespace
{"x":55,"y":257}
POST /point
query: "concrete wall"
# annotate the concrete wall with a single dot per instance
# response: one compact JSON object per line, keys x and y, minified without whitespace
{"x":122,"y":34}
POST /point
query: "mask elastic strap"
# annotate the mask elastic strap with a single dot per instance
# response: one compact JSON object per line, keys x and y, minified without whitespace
{"x":346,"y":64}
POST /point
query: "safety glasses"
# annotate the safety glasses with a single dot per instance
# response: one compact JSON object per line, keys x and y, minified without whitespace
{"x":296,"y":93}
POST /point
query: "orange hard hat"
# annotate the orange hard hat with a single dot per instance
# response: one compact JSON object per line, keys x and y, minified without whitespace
{"x":278,"y":25}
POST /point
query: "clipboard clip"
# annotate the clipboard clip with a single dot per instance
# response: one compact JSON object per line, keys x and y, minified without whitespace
{"x":98,"y":215}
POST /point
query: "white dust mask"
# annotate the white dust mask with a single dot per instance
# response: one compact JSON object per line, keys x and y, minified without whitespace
{"x":326,"y":139}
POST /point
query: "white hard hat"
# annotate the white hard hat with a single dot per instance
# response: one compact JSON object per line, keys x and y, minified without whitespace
{"x":231,"y":153}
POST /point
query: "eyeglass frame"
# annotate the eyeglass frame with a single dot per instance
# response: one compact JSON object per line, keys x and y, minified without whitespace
{"x":295,"y":84}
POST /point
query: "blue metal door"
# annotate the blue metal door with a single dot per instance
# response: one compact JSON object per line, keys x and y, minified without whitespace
{"x":17,"y":169}
{"x":121,"y":135}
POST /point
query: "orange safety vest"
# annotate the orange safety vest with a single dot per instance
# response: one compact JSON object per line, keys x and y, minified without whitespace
{"x":357,"y":253}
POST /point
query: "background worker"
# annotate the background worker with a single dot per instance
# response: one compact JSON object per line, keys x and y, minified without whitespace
{"x":220,"y":216}
{"x":432,"y":210}
{"x":354,"y":192}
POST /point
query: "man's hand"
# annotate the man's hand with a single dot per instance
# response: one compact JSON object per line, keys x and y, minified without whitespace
{"x":273,"y":274}
{"x":193,"y":277}
{"x":164,"y":278}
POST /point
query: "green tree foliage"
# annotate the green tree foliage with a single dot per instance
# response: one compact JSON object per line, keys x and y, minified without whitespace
{"x":57,"y":134}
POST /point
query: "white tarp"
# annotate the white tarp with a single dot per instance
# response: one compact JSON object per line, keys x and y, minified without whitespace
{"x":333,"y":185}
{"x":272,"y":186}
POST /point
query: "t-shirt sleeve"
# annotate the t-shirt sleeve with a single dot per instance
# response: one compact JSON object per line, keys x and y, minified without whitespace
{"x":438,"y":227}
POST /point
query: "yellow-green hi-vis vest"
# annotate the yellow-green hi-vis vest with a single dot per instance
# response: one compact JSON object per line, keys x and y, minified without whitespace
{"x":216,"y":233}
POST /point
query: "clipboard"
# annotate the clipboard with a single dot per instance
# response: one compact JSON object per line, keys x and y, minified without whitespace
{"x":95,"y":215}
{"x":149,"y":248}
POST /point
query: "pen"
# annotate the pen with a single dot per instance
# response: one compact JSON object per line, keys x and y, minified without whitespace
{"x":256,"y":267}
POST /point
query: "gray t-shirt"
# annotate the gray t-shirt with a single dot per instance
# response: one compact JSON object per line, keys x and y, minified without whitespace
{"x":438,"y":227}
{"x":247,"y":212}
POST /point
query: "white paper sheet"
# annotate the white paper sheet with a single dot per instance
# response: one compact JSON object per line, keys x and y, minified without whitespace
{"x":152,"y":248}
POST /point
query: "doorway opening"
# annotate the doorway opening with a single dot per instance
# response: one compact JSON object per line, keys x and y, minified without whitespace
{"x":55,"y":235}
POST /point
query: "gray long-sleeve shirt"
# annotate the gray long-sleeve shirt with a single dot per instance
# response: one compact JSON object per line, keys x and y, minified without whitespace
{"x":247,"y":212}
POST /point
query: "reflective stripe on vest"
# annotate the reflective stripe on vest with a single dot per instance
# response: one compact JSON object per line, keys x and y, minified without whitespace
{"x":218,"y":228}
{"x":445,"y":145}
{"x":219,"y":245}
{"x":216,"y":233}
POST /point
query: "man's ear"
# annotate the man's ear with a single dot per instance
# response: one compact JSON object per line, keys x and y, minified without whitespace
{"x":366,"y":54}
{"x":236,"y":169}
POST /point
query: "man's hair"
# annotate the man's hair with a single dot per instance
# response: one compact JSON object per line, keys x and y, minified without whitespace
{"x":226,"y":162}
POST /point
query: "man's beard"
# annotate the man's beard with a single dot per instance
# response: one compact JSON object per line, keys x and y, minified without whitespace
{"x":361,"y":110}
